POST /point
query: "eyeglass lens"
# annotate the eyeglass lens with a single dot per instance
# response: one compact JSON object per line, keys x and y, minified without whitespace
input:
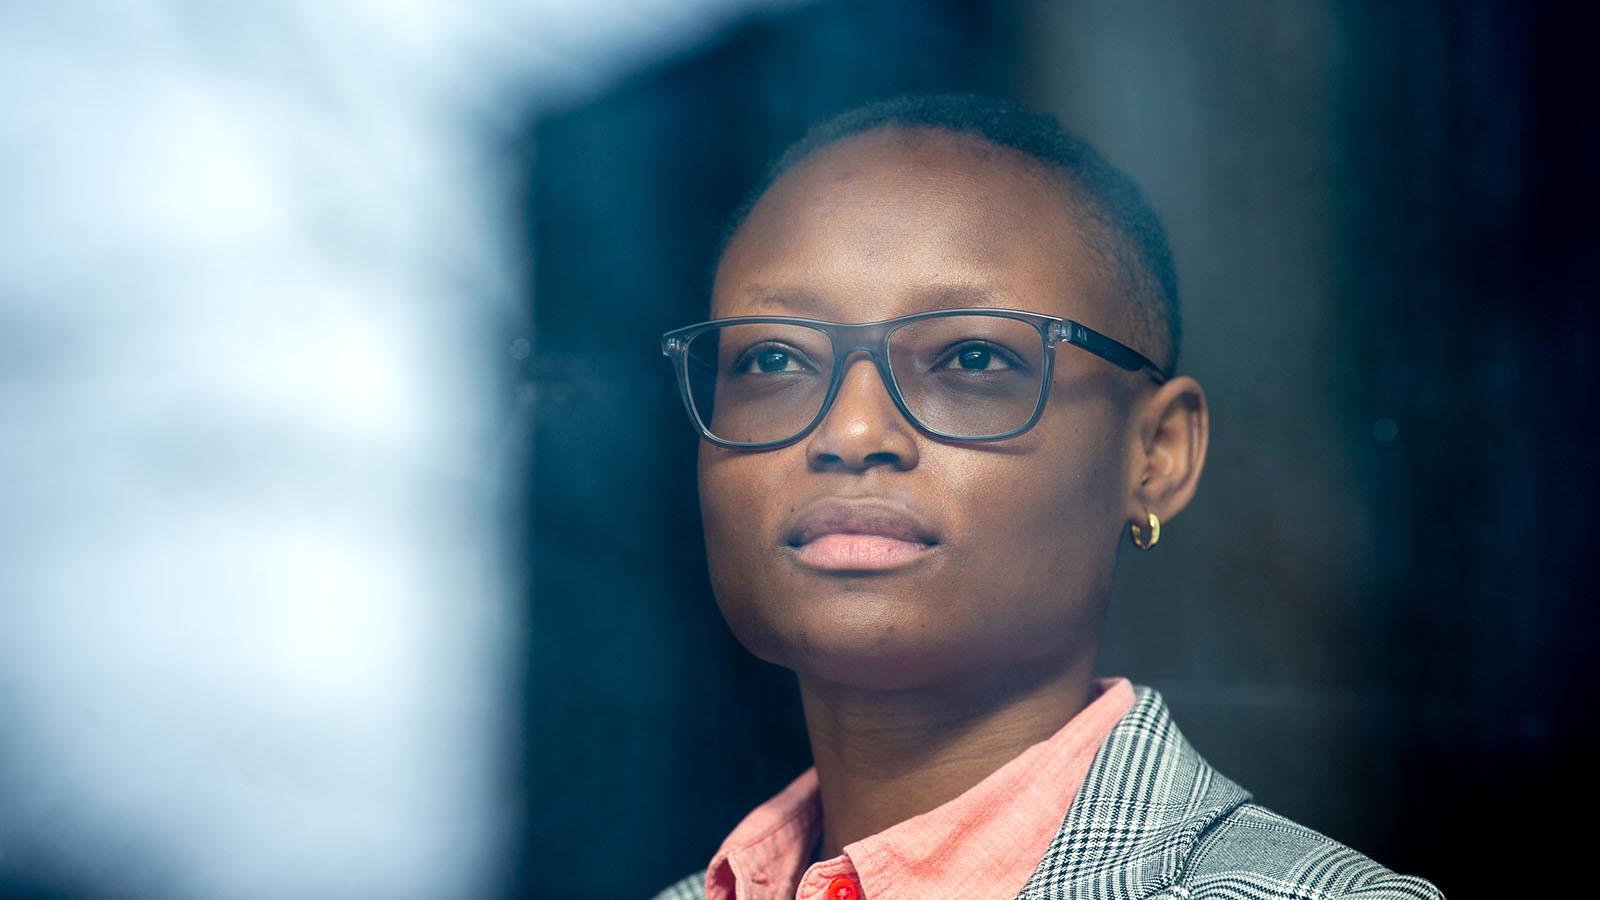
{"x":964,"y":376}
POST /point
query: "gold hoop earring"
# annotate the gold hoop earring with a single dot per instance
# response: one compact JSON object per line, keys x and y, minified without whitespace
{"x":1138,"y":536}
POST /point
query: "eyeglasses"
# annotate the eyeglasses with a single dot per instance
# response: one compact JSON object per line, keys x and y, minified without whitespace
{"x":979,"y":375}
{"x":972,"y":375}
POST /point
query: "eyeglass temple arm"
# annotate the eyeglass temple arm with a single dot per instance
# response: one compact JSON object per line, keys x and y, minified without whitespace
{"x":1108,"y":349}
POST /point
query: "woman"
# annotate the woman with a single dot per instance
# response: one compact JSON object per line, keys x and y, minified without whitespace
{"x":935,"y":392}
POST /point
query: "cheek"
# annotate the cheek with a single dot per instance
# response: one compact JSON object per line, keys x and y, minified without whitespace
{"x":720,"y":511}
{"x":1053,"y":536}
{"x":736,"y":491}
{"x":742,"y":503}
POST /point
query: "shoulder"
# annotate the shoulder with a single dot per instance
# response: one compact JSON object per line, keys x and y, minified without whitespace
{"x":690,"y":888}
{"x":1154,"y":820}
{"x":1252,"y":852}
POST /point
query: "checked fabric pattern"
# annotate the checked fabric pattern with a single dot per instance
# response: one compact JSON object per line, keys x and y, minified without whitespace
{"x":1153,"y":820}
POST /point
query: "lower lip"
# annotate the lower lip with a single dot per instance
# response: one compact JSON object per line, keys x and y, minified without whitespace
{"x":859,"y":553}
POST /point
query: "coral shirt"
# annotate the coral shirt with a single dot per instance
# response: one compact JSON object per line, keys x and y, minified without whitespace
{"x":983,"y":845}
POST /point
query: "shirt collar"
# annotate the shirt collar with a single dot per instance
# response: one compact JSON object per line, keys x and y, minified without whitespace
{"x":982,"y":845}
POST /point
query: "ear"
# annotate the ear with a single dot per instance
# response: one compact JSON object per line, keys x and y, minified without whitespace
{"x":1171,"y":428}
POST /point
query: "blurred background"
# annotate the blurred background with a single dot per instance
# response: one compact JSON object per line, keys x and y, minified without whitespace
{"x":348,"y":536}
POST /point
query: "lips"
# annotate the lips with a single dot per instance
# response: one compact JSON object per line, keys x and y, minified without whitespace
{"x":858,"y":536}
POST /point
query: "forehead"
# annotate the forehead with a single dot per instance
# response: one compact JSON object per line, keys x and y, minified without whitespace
{"x":891,"y":222}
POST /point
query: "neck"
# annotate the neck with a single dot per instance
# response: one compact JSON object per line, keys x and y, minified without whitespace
{"x":885,"y":756}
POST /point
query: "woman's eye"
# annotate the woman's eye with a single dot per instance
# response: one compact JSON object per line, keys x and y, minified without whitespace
{"x":772,"y":361}
{"x":974,"y":359}
{"x":769,"y":360}
{"x":978,"y":357}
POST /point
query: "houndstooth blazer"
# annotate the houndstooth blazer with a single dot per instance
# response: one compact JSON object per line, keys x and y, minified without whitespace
{"x":1153,"y":820}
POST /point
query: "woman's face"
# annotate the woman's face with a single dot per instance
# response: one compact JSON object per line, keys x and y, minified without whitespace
{"x":868,"y":553}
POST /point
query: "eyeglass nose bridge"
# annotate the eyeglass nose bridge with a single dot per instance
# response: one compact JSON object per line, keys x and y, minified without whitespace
{"x":871,"y":338}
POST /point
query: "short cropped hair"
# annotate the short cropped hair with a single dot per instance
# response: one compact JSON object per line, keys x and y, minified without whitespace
{"x":1119,"y":224}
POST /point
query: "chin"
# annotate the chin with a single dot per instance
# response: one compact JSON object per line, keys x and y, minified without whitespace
{"x":851,"y":638}
{"x":884,"y":672}
{"x":873,"y":666}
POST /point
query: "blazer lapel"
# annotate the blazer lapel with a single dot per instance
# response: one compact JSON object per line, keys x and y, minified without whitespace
{"x":1147,"y":797}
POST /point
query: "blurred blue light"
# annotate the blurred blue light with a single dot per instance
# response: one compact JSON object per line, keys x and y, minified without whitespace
{"x":257,"y":635}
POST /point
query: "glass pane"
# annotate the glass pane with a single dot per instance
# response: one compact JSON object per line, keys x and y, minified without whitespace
{"x":971,"y":375}
{"x":753,"y":383}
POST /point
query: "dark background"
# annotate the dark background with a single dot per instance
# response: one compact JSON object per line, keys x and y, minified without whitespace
{"x":1376,"y":615}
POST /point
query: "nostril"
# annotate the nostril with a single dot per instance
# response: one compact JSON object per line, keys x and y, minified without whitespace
{"x":863,"y":427}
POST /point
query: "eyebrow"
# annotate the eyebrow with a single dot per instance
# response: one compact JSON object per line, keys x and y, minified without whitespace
{"x":785,"y":299}
{"x":957,"y":295}
{"x":795,"y":299}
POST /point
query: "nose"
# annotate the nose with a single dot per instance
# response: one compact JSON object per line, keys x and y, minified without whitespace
{"x":863,"y":428}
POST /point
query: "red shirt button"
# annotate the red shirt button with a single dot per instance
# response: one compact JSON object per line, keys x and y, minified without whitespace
{"x":843,"y":888}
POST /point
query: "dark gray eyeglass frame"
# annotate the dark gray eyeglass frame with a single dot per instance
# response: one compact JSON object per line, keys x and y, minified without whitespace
{"x":872,"y":338}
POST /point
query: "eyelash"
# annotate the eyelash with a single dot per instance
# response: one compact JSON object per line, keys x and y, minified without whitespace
{"x":747,"y":360}
{"x":994,"y":350}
